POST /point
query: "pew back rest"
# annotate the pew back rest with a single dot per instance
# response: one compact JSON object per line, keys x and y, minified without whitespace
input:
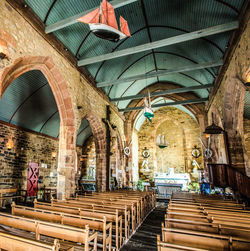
{"x":204,"y":240}
{"x":57,"y":217}
{"x":45,"y":228}
{"x":13,"y":242}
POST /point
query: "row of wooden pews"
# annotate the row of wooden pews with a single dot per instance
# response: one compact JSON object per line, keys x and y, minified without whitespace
{"x":87,"y":222}
{"x":196,"y":222}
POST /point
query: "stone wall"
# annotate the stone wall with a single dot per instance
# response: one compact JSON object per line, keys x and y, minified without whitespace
{"x":182,"y":133}
{"x":247,"y":143}
{"x":227,"y":104}
{"x":26,"y":147}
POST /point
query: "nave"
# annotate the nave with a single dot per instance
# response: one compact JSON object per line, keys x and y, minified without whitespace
{"x":124,"y":125}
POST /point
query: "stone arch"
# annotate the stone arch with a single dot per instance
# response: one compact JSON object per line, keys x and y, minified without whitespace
{"x":55,"y":79}
{"x":195,"y":109}
{"x":67,"y":152}
{"x":100,"y":144}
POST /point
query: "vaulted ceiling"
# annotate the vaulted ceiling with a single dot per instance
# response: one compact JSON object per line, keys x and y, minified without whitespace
{"x":150,"y":21}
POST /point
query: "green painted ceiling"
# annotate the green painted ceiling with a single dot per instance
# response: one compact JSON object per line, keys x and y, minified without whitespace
{"x":29,"y":103}
{"x":149,"y":20}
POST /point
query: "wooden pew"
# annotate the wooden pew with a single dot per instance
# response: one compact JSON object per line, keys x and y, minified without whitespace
{"x":131,"y":205}
{"x":213,"y":228}
{"x":13,"y":242}
{"x":113,"y":217}
{"x":145,"y":200}
{"x":164,"y":246}
{"x":246,"y":213}
{"x":210,"y":219}
{"x":148,"y":199}
{"x":53,"y":230}
{"x":123,"y":210}
{"x":96,"y":224}
{"x":196,"y":239}
{"x":211,"y":213}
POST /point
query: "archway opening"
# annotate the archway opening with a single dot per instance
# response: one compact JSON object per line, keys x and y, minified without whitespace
{"x":178,"y":165}
{"x":30,"y":123}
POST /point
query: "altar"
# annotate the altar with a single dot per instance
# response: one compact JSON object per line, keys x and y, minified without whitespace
{"x":168,"y":183}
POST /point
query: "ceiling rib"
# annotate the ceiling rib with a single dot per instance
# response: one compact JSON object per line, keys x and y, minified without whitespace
{"x":182,"y":102}
{"x":161,"y":43}
{"x":81,"y":44}
{"x":172,"y":91}
{"x":159,"y":70}
{"x":149,"y":34}
{"x":50,"y":9}
{"x":14,"y":113}
{"x":228,"y":5}
{"x":50,"y":117}
{"x":163,"y":73}
{"x":72,"y":20}
{"x":157,"y":26}
{"x":161,"y":52}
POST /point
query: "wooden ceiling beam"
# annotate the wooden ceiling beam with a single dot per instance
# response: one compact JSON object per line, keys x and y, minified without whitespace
{"x":161,"y":43}
{"x":166,"y":92}
{"x":72,"y":20}
{"x":182,"y":102}
{"x":162,"y":73}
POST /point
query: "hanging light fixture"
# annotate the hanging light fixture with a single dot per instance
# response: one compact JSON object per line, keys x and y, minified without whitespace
{"x":213,"y":129}
{"x":3,"y":49}
{"x":161,"y":142}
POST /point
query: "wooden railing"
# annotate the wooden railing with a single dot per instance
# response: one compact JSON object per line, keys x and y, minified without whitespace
{"x":222,"y":175}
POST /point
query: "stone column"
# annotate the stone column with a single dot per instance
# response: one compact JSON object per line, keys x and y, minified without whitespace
{"x":66,"y":163}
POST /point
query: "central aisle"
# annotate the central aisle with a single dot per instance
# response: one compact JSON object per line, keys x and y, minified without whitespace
{"x":145,"y":238}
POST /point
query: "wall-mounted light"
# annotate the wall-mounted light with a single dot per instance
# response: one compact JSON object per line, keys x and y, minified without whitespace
{"x":10,"y":144}
{"x":3,"y":49}
{"x":213,"y":129}
{"x":53,"y":155}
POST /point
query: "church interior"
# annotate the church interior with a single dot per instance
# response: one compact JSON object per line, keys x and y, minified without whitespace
{"x":124,"y":125}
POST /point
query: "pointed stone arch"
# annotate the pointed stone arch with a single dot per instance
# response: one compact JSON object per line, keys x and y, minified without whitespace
{"x":67,"y":139}
{"x":100,"y":144}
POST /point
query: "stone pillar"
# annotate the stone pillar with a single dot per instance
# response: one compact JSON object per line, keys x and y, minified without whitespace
{"x":233,"y":122}
{"x":66,"y":163}
{"x":100,"y":171}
